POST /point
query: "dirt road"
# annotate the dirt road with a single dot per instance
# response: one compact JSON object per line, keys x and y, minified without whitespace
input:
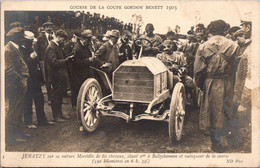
{"x":115,"y":135}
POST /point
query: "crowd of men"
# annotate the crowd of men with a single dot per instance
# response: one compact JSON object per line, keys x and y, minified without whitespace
{"x":68,"y":20}
{"x":215,"y":59}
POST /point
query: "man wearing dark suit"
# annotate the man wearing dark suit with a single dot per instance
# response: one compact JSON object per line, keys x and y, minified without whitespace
{"x":84,"y":53}
{"x":69,"y":50}
{"x":35,"y":80}
{"x":42,"y":42}
{"x":16,"y":75}
{"x":56,"y":65}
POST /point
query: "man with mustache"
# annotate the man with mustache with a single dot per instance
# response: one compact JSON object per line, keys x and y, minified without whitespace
{"x":42,"y":42}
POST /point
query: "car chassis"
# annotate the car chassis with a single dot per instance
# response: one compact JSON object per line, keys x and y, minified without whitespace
{"x":91,"y":105}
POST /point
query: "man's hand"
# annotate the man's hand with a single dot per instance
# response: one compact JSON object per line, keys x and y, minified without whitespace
{"x":182,"y":71}
{"x":175,"y":67}
{"x":107,"y":64}
{"x":33,"y":55}
{"x":120,"y":54}
{"x":91,"y":59}
{"x":70,"y":58}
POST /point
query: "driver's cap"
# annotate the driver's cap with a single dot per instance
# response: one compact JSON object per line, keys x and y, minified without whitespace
{"x":149,"y":26}
{"x":167,"y":42}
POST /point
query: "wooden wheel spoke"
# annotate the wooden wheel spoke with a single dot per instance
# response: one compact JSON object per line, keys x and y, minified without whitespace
{"x":93,"y":90}
{"x":86,"y":109}
{"x":88,"y":121}
{"x":91,"y":117}
{"x":86,"y":116}
{"x":89,"y":94}
{"x":95,"y":94}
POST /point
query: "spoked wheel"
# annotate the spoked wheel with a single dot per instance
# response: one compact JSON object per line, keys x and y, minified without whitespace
{"x":177,"y":113}
{"x":89,"y":95}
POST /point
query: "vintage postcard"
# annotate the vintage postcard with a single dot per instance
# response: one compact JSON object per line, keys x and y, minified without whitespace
{"x":130,"y":83}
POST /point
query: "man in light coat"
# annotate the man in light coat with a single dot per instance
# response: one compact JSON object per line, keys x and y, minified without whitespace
{"x":214,"y":72}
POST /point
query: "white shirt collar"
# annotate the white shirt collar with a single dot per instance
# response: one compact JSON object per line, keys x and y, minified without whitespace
{"x":81,"y":43}
{"x":56,"y":43}
{"x":15,"y":45}
{"x":111,"y":42}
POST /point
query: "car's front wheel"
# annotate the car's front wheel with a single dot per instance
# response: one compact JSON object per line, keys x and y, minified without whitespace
{"x":89,"y":95}
{"x":177,"y":113}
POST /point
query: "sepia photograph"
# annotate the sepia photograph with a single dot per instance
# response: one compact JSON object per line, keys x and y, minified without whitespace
{"x":131,"y":83}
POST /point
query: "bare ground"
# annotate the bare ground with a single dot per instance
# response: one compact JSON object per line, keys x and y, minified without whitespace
{"x":115,"y":135}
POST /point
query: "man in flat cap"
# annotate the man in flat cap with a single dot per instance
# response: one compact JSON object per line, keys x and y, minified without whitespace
{"x":239,"y":37}
{"x":16,"y":75}
{"x":15,"y":24}
{"x":43,"y":41}
{"x":231,"y":32}
{"x":34,"y":82}
{"x":108,"y":53}
{"x":56,"y":65}
{"x":84,"y":57}
{"x":191,"y":31}
{"x":247,"y":87}
{"x":156,"y":40}
{"x":214,"y":73}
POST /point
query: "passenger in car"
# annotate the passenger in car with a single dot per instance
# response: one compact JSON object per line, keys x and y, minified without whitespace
{"x":176,"y":63}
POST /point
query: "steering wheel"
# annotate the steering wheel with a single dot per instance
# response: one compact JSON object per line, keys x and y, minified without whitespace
{"x":139,"y":42}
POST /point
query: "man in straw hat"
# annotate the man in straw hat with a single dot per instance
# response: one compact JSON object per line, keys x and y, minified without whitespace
{"x":108,"y":53}
{"x":16,"y":75}
{"x":35,"y":80}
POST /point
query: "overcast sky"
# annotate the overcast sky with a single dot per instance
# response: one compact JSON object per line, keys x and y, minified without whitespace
{"x":184,"y":16}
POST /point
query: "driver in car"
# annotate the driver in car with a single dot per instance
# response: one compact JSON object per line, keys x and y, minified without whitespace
{"x":155,"y":40}
{"x":176,"y":63}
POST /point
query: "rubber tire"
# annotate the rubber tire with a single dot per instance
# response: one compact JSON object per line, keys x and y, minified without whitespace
{"x":174,"y":139}
{"x":84,"y":87}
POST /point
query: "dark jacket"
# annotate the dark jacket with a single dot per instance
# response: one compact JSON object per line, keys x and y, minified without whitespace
{"x":68,"y":48}
{"x":35,"y":72}
{"x":109,"y":53}
{"x":41,"y":46}
{"x":80,"y":66}
{"x":56,"y":63}
{"x":16,"y":70}
{"x":127,"y":48}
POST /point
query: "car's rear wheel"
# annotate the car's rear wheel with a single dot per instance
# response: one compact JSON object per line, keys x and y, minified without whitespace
{"x":177,"y":113}
{"x":89,"y":95}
